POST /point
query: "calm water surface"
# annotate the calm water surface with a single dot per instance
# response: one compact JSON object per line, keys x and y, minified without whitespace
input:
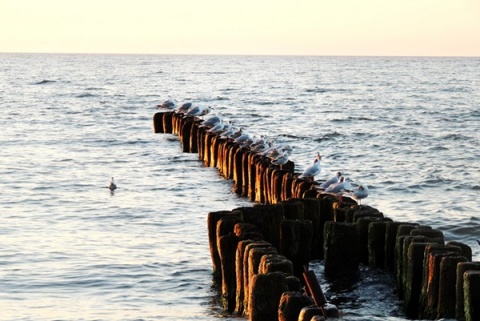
{"x":71,"y":250}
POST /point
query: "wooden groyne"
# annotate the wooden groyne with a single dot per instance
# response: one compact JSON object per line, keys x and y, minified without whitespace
{"x":259,"y":253}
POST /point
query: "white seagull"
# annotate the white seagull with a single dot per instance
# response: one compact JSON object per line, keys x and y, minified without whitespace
{"x":281,"y":160}
{"x":198,"y":110}
{"x":312,"y":170}
{"x":168,"y":104}
{"x":332,"y":180}
{"x":184,"y":108}
{"x":342,"y":185}
{"x":360,"y":192}
{"x":212,"y":121}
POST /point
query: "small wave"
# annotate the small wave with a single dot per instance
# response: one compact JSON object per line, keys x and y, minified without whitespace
{"x":438,"y":148}
{"x":316,"y":90}
{"x":45,"y":81}
{"x":327,"y":137}
{"x":455,"y":137}
{"x":86,"y":95}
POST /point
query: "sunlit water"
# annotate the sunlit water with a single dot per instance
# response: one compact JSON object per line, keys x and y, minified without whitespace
{"x":71,"y":250}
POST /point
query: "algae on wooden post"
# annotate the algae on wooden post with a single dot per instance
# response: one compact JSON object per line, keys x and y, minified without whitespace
{"x":341,"y":249}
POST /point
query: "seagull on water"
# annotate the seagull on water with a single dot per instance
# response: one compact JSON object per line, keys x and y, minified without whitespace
{"x":312,"y":170}
{"x":112,"y":185}
{"x":332,"y":180}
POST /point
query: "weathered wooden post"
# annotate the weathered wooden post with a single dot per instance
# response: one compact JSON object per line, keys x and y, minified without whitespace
{"x":212,"y":219}
{"x":341,"y":249}
{"x":238,"y":171}
{"x":391,"y":229}
{"x":462,"y":267}
{"x":167,"y":122}
{"x":291,"y":303}
{"x":472,"y":295}
{"x":293,"y":210}
{"x":295,"y":243}
{"x":310,"y":312}
{"x":447,"y":286}
{"x":227,"y":245}
{"x":376,"y":244}
{"x":239,"y":274}
{"x":158,"y":123}
{"x":266,"y":218}
{"x":192,"y":136}
{"x":266,"y":291}
{"x":246,"y":280}
{"x":312,"y":213}
{"x":287,"y":186}
{"x":413,"y":276}
{"x":362,"y":225}
{"x":275,"y":263}
{"x":402,"y":232}
{"x":432,"y":287}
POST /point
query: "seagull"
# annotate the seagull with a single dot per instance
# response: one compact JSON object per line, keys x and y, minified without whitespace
{"x":344,"y":184}
{"x":199,"y":110}
{"x":230,"y":133}
{"x":242,"y":138}
{"x":281,"y":160}
{"x":112,"y":185}
{"x":217,"y":128}
{"x":212,"y":121}
{"x":247,"y":143}
{"x":287,"y":149}
{"x":332,"y":180}
{"x":312,"y":170}
{"x":260,"y":148}
{"x":168,"y":104}
{"x":360,"y":192}
{"x":184,"y":108}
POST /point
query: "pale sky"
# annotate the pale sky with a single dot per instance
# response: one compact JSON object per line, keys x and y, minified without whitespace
{"x":256,"y":27}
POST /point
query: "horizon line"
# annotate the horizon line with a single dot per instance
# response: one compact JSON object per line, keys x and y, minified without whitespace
{"x":242,"y":54}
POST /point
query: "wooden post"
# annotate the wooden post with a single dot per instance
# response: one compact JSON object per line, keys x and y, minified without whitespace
{"x":462,"y":267}
{"x":212,"y":219}
{"x":391,"y":229}
{"x":266,"y":291}
{"x":227,"y":245}
{"x":295,"y":243}
{"x":413,"y":278}
{"x":291,"y":303}
{"x":447,"y":286}
{"x":240,"y":276}
{"x":341,"y":249}
{"x":246,"y":280}
{"x":376,"y":244}
{"x":472,"y":295}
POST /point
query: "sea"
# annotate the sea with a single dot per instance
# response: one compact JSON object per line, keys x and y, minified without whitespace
{"x":407,"y":127}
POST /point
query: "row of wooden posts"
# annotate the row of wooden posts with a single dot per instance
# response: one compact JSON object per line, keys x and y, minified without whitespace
{"x":259,"y":253}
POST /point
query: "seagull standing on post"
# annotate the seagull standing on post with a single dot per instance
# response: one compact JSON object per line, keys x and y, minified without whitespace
{"x":312,"y":170}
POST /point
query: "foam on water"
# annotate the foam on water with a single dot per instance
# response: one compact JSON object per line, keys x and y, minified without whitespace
{"x":406,"y":127}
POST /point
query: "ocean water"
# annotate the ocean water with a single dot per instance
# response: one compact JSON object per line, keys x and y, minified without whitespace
{"x":71,"y":250}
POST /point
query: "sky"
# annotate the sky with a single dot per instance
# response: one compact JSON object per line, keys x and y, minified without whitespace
{"x":243,"y":27}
